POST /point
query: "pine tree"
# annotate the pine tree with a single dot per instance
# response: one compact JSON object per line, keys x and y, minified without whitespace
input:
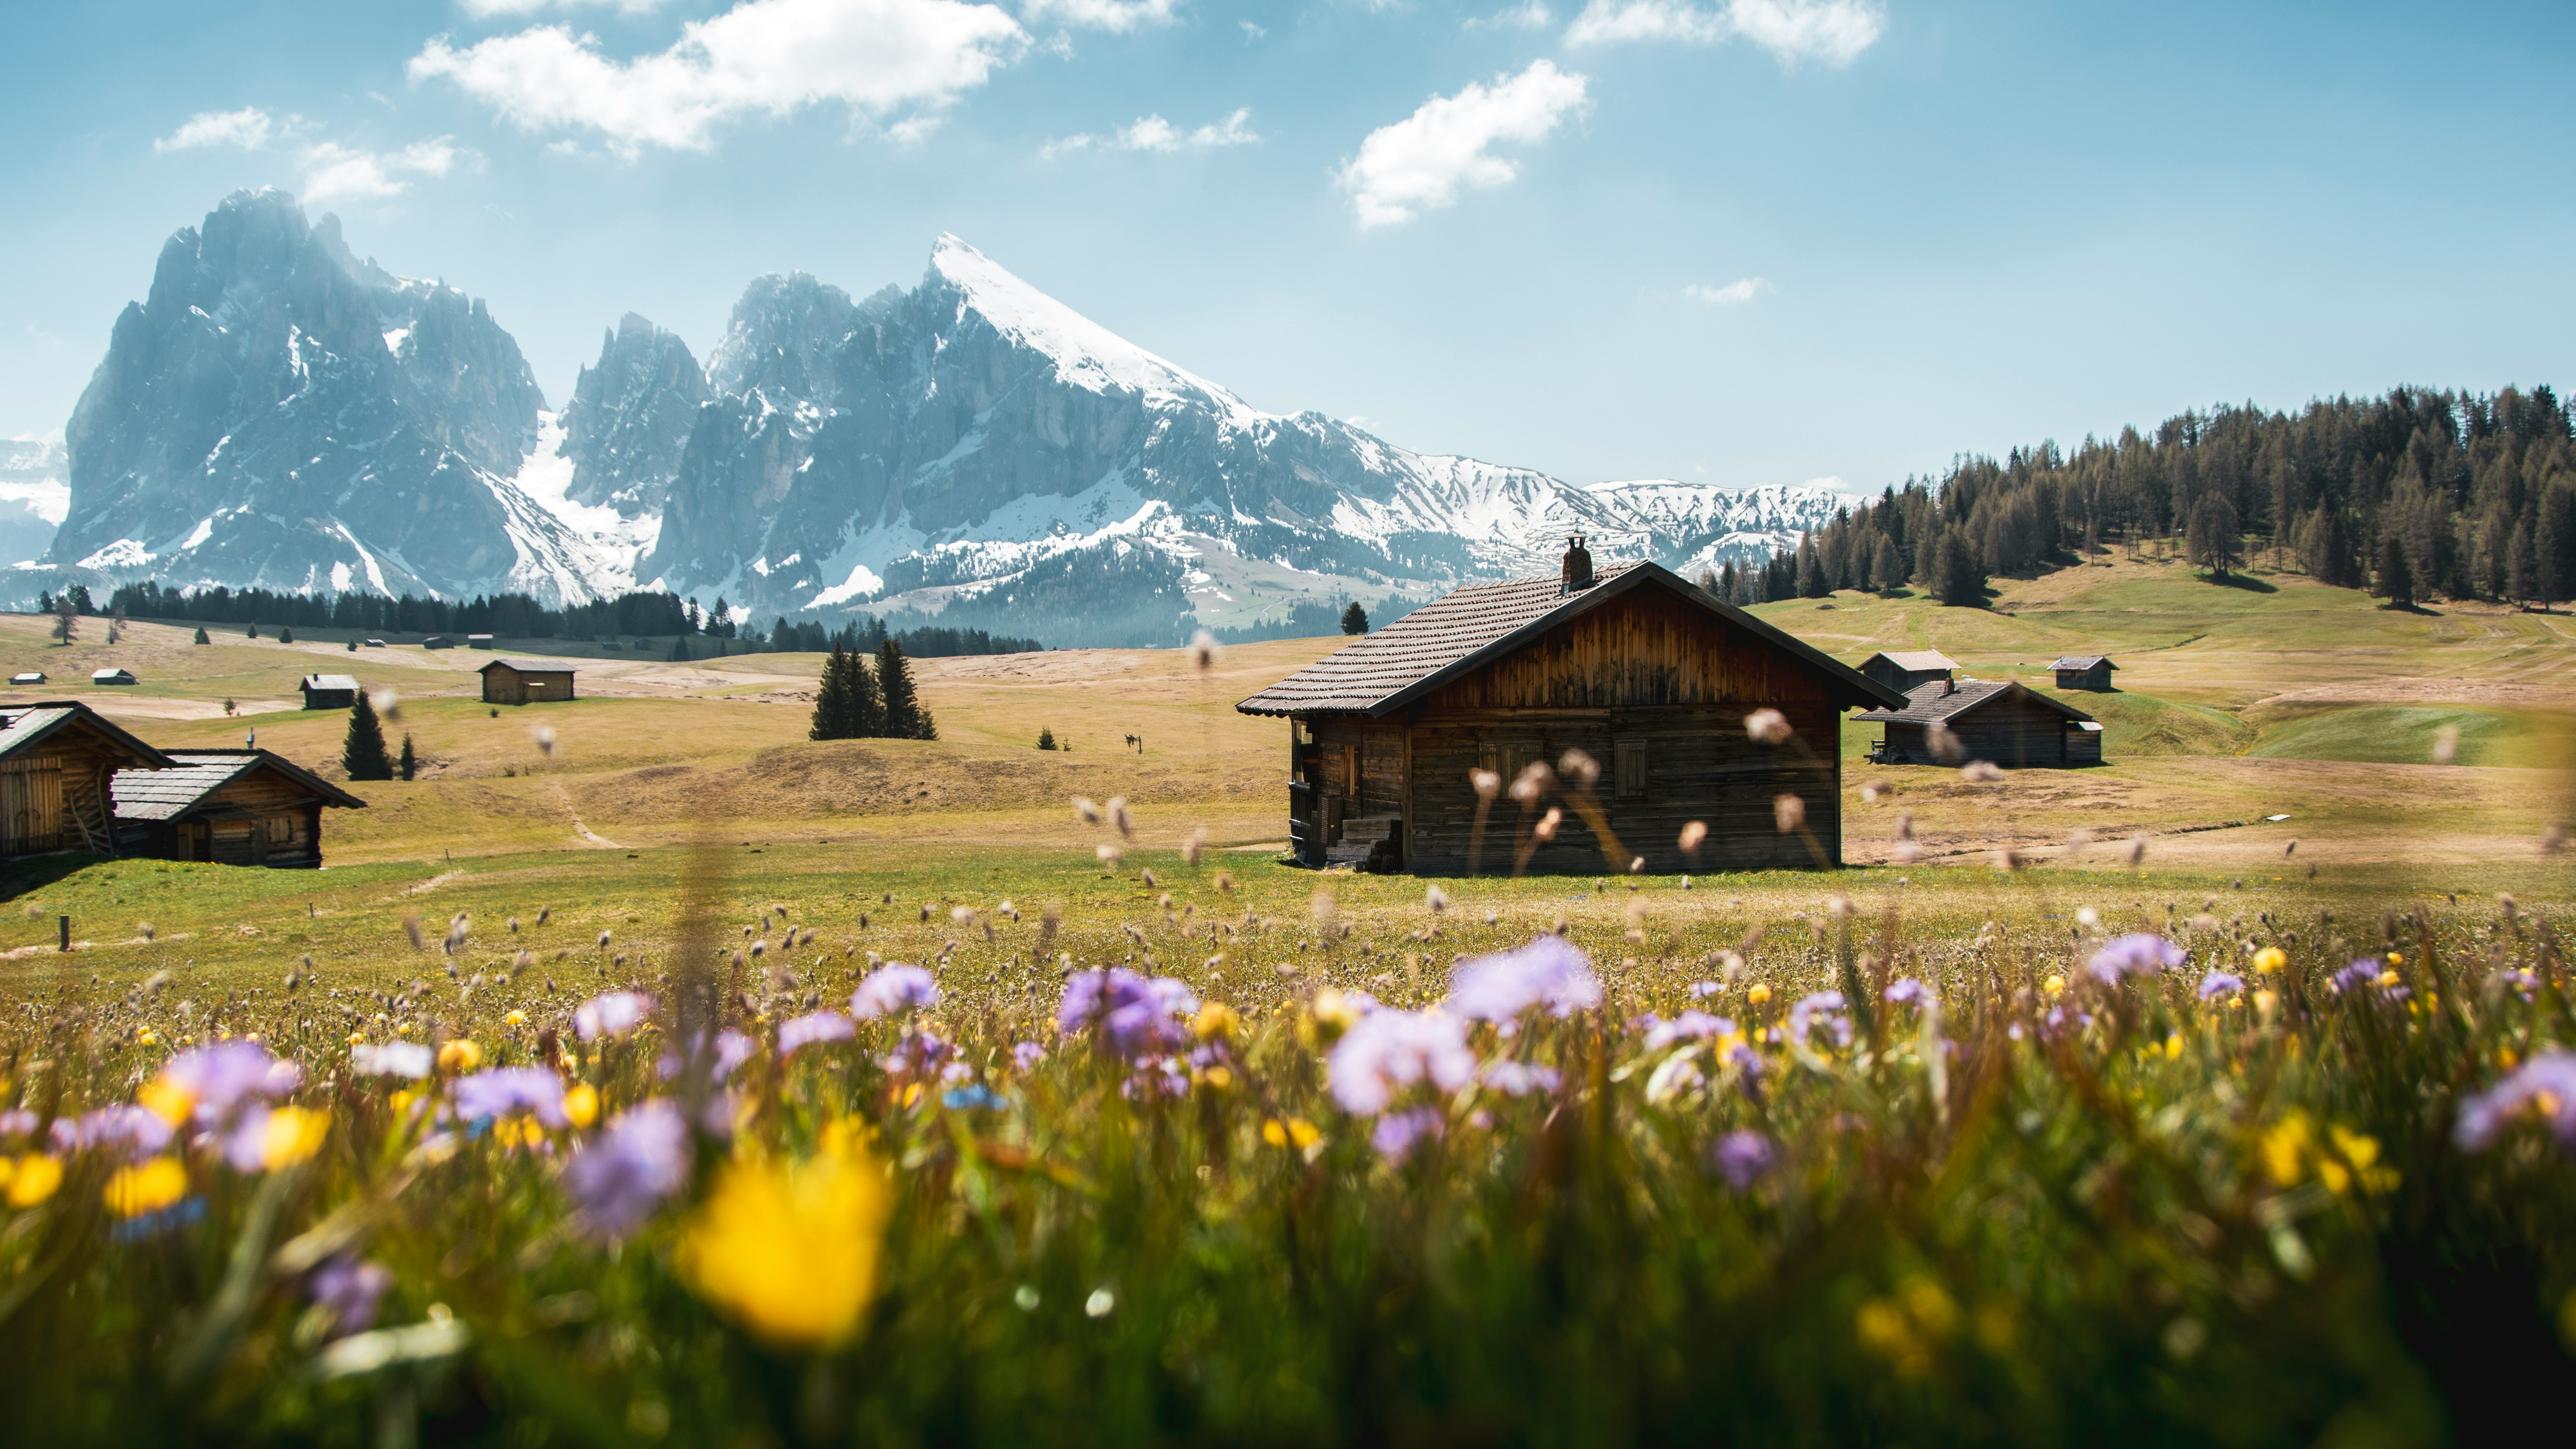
{"x":832,"y":700}
{"x":680,"y":650}
{"x":66,"y":619}
{"x":1961,"y":583}
{"x":1884,"y":570}
{"x":2215,"y":540}
{"x":285,"y":636}
{"x":1812,"y":583}
{"x":1046,"y":738}
{"x":362,"y":754}
{"x":202,"y":639}
{"x":866,"y":705}
{"x":2396,"y":580}
{"x":1355,"y":619}
{"x":905,"y":719}
{"x":2521,"y":568}
{"x":253,"y":631}
{"x":2555,"y":546}
{"x":409,"y":764}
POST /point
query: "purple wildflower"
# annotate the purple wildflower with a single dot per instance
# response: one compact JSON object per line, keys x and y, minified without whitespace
{"x":1906,"y":989}
{"x":1689,"y":1026}
{"x":919,"y":1054}
{"x":505,"y":1090}
{"x":1547,"y":972}
{"x":393,"y":1059}
{"x":624,"y":1174}
{"x":221,"y":1076}
{"x":613,"y":1015}
{"x":732,"y":1049}
{"x":1828,"y":1004}
{"x":1702,"y":990}
{"x":816,"y":1027}
{"x":2549,"y":1077}
{"x":1137,"y":1017}
{"x":2140,"y":953}
{"x":1743,"y":1157}
{"x":893,"y":990}
{"x":1027,"y":1055}
{"x":2360,"y":973}
{"x":2220,"y":983}
{"x":349,"y":1290}
{"x":1517,"y":1079}
{"x":1388,"y":1050}
{"x":1399,"y":1134}
{"x":130,"y":1132}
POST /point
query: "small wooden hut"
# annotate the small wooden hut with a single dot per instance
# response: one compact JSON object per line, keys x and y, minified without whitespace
{"x":1904,"y":670}
{"x":2085,"y":671}
{"x":113,"y":676}
{"x":2003,"y":723}
{"x":525,"y":681}
{"x":330,"y":691}
{"x":1644,"y":674}
{"x":57,"y":761}
{"x":231,"y":807}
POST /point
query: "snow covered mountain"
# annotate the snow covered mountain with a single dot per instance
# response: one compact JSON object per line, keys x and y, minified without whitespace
{"x":280,"y":413}
{"x":976,"y":449}
{"x":277,"y":412}
{"x":33,"y":495}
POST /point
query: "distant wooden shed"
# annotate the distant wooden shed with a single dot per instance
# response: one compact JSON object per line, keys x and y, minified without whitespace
{"x":229,"y":807}
{"x":113,"y":676}
{"x":330,"y":691}
{"x":1651,"y":677}
{"x":1905,"y":669}
{"x":525,"y":681}
{"x":2084,"y":671}
{"x":478,"y":641}
{"x":2002,"y":723}
{"x":32,"y":676}
{"x":57,"y":760}
{"x":437,"y":641}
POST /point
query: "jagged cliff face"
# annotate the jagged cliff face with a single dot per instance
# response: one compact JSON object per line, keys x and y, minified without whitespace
{"x":630,"y":417}
{"x":277,"y":412}
{"x":964,"y":445}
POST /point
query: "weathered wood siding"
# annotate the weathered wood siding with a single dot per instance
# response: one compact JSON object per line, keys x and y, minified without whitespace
{"x":1663,"y":767}
{"x":2097,"y":678}
{"x":31,"y":805}
{"x":2014,"y":731}
{"x":1645,"y":648}
{"x":56,"y":799}
{"x":505,"y":685}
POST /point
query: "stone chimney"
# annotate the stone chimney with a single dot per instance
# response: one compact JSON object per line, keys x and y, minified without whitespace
{"x":1578,"y":566}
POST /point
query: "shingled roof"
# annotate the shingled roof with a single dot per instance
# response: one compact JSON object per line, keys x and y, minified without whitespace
{"x":195,"y":774}
{"x":2082,"y":661}
{"x":1939,"y":703}
{"x":1469,"y":627}
{"x":1915,"y":660}
{"x":23,"y":725}
{"x":530,"y":666}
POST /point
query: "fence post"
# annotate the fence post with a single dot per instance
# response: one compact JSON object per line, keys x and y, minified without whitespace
{"x":66,"y":923}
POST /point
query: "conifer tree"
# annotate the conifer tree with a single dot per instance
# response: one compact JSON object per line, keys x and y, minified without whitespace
{"x":2521,"y":568}
{"x":2396,"y":580}
{"x":866,"y":704}
{"x":1884,"y":569}
{"x":1355,"y":619}
{"x":362,"y":754}
{"x":1046,"y":738}
{"x":66,"y":619}
{"x":905,"y":719}
{"x":832,"y":702}
{"x":202,"y":639}
{"x":409,"y":764}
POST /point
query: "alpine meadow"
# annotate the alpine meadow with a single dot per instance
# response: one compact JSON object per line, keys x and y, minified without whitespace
{"x":594,"y":853}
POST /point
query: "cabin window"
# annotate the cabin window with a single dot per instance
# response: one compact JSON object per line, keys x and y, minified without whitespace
{"x":1628,"y":769}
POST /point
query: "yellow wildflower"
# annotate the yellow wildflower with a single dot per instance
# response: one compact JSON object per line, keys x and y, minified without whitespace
{"x":357,"y":1038}
{"x":2396,"y":958}
{"x":1303,"y":1133}
{"x":146,"y":1187}
{"x":792,"y":1252}
{"x":519,"y":1132}
{"x":167,"y":1100}
{"x":2388,"y":978}
{"x":2173,"y":1046}
{"x":1274,"y":1132}
{"x":515,"y":1018}
{"x":293,"y":1135}
{"x":145,"y":1036}
{"x":2271,"y":958}
{"x":459,"y":1055}
{"x":1757,"y":994}
{"x":2285,"y":1148}
{"x":32,"y":1179}
{"x":1216,"y":1019}
{"x":2054,"y":985}
{"x":1218,"y":1077}
{"x":581,"y":1104}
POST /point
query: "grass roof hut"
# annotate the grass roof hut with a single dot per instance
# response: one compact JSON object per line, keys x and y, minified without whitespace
{"x":1646,"y":675}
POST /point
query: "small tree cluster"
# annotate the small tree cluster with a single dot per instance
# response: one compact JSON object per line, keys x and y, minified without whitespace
{"x":362,"y":753}
{"x":857,"y":704}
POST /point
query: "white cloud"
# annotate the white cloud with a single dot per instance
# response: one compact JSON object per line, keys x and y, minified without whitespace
{"x":1115,"y":16}
{"x":1528,"y":15}
{"x":1832,"y":31}
{"x":484,"y":9}
{"x":331,"y":171}
{"x":334,"y":172}
{"x":1153,"y":133}
{"x":1417,"y":164}
{"x":1733,"y":294}
{"x":1252,"y":32}
{"x":770,"y":56}
{"x":248,"y":128}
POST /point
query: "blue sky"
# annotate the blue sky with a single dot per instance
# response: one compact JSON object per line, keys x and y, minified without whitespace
{"x":1741,"y":241}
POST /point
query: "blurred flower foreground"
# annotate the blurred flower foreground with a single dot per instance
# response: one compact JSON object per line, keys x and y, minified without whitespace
{"x":2118,"y":1189}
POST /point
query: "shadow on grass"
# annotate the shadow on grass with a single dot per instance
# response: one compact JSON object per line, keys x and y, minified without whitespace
{"x":36,"y":872}
{"x":2247,"y":582}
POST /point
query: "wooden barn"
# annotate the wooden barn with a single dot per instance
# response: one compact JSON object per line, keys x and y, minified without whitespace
{"x":330,"y":691}
{"x":57,"y":761}
{"x":1649,"y":676}
{"x":1905,"y":670}
{"x":231,"y":807}
{"x":2085,"y":671}
{"x":525,"y":681}
{"x":2003,"y":723}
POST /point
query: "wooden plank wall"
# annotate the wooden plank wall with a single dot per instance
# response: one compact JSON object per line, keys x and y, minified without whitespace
{"x":31,"y":805}
{"x":1699,"y":764}
{"x":1644,"y":648}
{"x":2014,"y":731}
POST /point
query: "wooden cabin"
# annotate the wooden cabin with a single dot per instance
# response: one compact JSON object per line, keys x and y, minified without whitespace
{"x":330,"y":691}
{"x":437,"y":641}
{"x":1907,"y":669}
{"x":525,"y":681}
{"x":2002,"y":723}
{"x":112,"y":676}
{"x":231,"y":807}
{"x":57,"y":761}
{"x":2085,"y":671}
{"x":1645,"y":674}
{"x":478,"y":641}
{"x":27,"y":678}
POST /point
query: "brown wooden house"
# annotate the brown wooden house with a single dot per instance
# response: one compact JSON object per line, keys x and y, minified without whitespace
{"x":2002,"y":723}
{"x":57,"y":760}
{"x":2084,"y":671}
{"x":1906,"y":669}
{"x":232,"y":807}
{"x":1646,"y":674}
{"x":330,"y":691}
{"x":525,"y":681}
